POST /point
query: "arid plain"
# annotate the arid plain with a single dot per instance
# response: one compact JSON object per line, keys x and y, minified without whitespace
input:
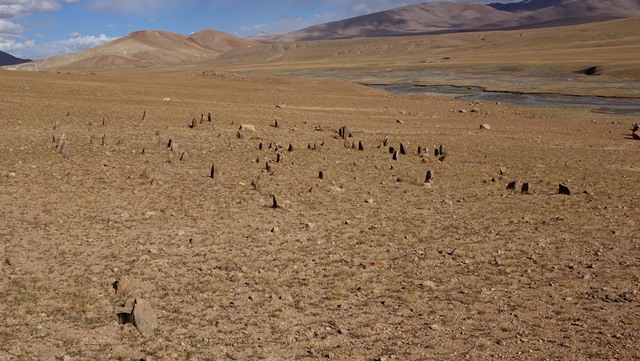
{"x":367,"y":263}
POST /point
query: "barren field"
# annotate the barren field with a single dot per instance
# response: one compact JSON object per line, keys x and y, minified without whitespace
{"x":367,"y":263}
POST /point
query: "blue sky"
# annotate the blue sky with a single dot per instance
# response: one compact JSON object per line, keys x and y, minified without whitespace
{"x":41,"y":28}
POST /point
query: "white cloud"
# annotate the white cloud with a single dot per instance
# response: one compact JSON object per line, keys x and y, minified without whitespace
{"x":9,"y":28}
{"x":75,"y":35}
{"x":132,"y":6}
{"x":10,"y":9}
{"x":33,"y":50}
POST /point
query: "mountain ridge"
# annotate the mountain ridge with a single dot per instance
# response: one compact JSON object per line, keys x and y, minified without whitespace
{"x":447,"y":17}
{"x":143,"y":49}
{"x":8,"y":59}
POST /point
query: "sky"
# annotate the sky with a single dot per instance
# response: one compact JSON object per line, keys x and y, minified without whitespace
{"x":37,"y":29}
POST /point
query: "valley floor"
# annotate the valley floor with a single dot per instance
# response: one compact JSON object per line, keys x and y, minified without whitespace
{"x":367,"y":263}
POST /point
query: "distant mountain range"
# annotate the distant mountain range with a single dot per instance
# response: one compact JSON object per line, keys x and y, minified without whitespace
{"x":143,"y":49}
{"x":8,"y":59}
{"x":150,"y":48}
{"x":448,"y":17}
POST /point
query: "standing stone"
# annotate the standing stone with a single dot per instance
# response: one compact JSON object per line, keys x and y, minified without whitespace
{"x":360,"y":146}
{"x":525,"y":188}
{"x":257,"y":184}
{"x":61,"y":144}
{"x":403,"y":151}
{"x":385,"y":141}
{"x":260,"y":146}
{"x":512,"y":185}
{"x":290,"y":149}
{"x":429,"y":176}
{"x":392,"y":150}
{"x":321,"y":175}
{"x":278,"y":202}
{"x":345,"y":132}
{"x":564,"y":189}
{"x":209,"y":117}
{"x":169,"y":143}
{"x":395,"y":155}
{"x":194,"y":123}
{"x":443,"y":151}
{"x":436,"y":152}
{"x":144,"y":318}
{"x":184,"y":157}
{"x":213,"y":172}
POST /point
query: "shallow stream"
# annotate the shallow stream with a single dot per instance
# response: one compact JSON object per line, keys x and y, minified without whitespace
{"x":607,"y":105}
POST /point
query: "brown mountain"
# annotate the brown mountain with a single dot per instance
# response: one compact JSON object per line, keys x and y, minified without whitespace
{"x":446,"y":17}
{"x":610,"y":45}
{"x":8,"y":59}
{"x":143,"y":49}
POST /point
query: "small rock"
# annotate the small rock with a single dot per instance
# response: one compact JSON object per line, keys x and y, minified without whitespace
{"x":281,"y":106}
{"x":247,"y":128}
{"x":144,"y":318}
{"x":369,"y":200}
{"x":564,"y":189}
{"x":485,"y":126}
{"x":435,"y":327}
{"x":278,"y":202}
{"x":275,"y":230}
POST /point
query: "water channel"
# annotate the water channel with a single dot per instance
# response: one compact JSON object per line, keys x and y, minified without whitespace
{"x":606,"y":105}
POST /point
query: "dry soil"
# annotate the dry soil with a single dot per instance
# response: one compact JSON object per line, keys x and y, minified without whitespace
{"x":368,"y":263}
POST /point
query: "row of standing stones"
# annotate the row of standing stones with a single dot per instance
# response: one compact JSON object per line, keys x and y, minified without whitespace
{"x":141,"y":314}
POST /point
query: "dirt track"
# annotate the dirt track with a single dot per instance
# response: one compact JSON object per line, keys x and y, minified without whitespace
{"x":371,"y":264}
